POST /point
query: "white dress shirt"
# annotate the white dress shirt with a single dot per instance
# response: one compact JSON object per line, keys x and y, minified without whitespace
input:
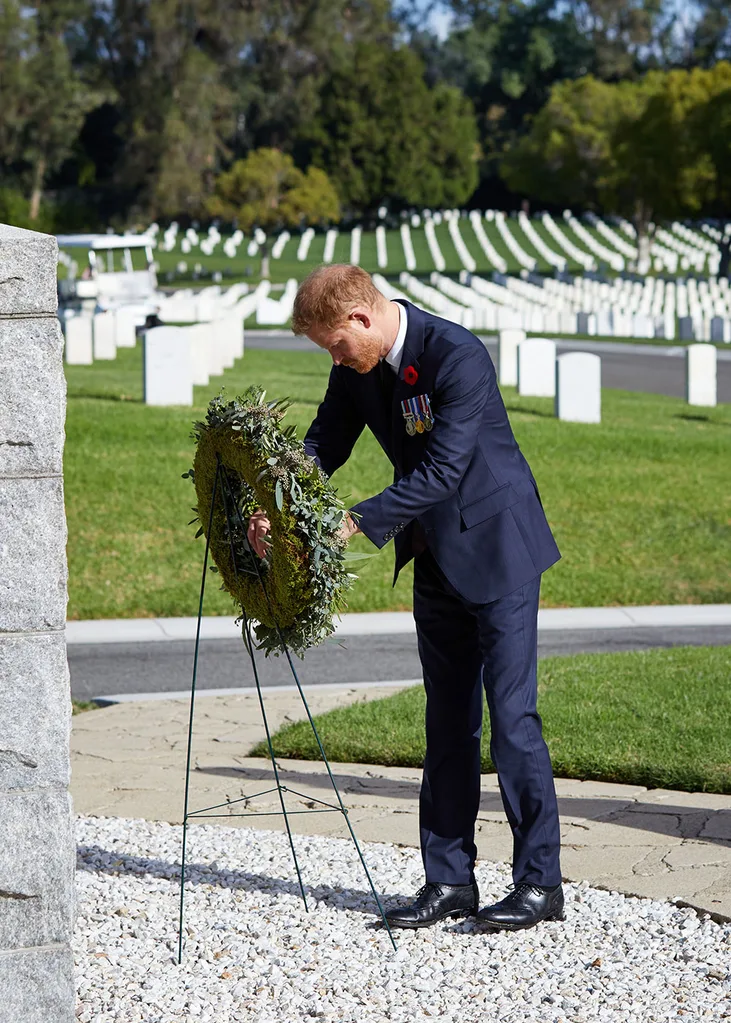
{"x":393,"y":358}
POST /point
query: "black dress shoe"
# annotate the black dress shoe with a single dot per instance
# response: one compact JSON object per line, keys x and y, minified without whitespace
{"x":526,"y":905}
{"x":436,"y":902}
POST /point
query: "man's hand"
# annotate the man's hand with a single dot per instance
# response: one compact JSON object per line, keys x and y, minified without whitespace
{"x":348,"y":528}
{"x":258,"y":531}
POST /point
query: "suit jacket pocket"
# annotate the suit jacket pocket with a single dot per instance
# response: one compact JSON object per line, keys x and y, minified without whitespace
{"x":478,"y":511}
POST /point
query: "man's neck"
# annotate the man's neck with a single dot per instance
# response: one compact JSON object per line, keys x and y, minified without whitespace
{"x":392,"y":322}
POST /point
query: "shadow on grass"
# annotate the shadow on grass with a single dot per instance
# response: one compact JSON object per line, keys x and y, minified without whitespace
{"x":630,"y":812}
{"x":530,"y":411}
{"x":89,"y":396}
{"x":699,"y":419}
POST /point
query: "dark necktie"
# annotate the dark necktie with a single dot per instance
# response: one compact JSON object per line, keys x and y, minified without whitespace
{"x":388,"y":385}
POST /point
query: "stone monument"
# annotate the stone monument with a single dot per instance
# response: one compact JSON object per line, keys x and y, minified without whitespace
{"x":37,"y":849}
{"x":537,"y":368}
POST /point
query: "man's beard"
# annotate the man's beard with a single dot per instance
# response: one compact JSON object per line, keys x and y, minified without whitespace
{"x":367,"y":358}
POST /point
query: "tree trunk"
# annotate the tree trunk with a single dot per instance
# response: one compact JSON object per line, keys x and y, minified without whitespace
{"x":641,"y":222}
{"x":35,"y":198}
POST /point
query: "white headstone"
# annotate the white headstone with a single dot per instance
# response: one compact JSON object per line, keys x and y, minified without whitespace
{"x":168,"y":373}
{"x":104,"y":346}
{"x":700,"y":374}
{"x":604,"y":326}
{"x":124,"y":328}
{"x":507,"y":355}
{"x":216,"y":353}
{"x":579,"y":387}
{"x":568,"y":322}
{"x":643,"y":325}
{"x":200,"y":341}
{"x":79,"y":347}
{"x":233,"y":328}
{"x":537,"y":368}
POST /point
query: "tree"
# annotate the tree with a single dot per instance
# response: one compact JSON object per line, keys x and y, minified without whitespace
{"x":164,"y":63}
{"x":44,"y":98}
{"x":382,"y":133}
{"x":711,"y":126}
{"x":505,"y":56}
{"x":632,"y":148}
{"x":266,"y":190}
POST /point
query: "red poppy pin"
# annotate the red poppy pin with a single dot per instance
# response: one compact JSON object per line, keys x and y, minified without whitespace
{"x":410,"y":376}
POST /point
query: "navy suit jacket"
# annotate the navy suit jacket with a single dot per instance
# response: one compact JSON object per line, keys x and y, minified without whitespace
{"x":466,"y":481}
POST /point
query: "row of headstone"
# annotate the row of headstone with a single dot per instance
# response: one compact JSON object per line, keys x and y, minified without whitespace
{"x":177,"y":358}
{"x":98,"y":336}
{"x":573,"y":380}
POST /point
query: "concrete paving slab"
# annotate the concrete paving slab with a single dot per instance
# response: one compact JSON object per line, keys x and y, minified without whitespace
{"x":129,"y":759}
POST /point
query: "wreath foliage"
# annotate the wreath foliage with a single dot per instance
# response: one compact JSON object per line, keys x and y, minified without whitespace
{"x":304,"y":573}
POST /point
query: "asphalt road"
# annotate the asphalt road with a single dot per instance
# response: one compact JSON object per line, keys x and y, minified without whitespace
{"x":625,"y":367}
{"x":105,"y":669}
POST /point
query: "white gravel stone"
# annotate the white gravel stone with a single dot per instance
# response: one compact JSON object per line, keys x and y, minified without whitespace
{"x":253,"y":954}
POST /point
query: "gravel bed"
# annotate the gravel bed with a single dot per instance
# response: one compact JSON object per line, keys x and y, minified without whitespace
{"x":253,"y":954}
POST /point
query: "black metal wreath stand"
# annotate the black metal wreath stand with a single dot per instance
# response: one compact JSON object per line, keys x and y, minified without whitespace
{"x":233,"y":515}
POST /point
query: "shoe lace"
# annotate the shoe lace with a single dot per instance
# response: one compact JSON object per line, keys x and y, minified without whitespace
{"x":426,"y":889}
{"x":525,"y":886}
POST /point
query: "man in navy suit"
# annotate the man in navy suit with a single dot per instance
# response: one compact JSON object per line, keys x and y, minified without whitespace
{"x":465,"y":505}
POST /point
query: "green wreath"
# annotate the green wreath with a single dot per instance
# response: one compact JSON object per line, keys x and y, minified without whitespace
{"x":293,"y":594}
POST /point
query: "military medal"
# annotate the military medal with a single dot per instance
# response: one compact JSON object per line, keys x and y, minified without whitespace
{"x":426,"y":413}
{"x":417,"y":413}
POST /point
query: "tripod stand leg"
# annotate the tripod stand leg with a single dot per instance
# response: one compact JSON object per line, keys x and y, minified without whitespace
{"x":343,"y":808}
{"x":190,"y":719}
{"x":250,"y":648}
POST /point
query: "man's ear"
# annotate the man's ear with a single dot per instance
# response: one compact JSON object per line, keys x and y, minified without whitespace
{"x":361,"y":316}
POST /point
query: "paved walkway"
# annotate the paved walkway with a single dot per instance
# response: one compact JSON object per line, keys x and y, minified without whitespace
{"x":129,"y":760}
{"x":151,"y":630}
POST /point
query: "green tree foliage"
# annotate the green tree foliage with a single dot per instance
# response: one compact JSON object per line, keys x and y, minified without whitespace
{"x":44,"y":98}
{"x":639,"y":149}
{"x":383,"y":134}
{"x":133,"y":107}
{"x":266,"y":190}
{"x":161,"y":60}
{"x":505,"y":57}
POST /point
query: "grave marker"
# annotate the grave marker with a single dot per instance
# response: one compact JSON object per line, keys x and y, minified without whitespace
{"x":79,"y":345}
{"x":124,"y":328}
{"x":700,"y":375}
{"x":104,"y":346}
{"x":537,"y":368}
{"x":507,"y":355}
{"x":167,"y":373}
{"x":579,"y":387}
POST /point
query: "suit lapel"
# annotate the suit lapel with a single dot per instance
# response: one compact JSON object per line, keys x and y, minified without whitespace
{"x":412,"y":352}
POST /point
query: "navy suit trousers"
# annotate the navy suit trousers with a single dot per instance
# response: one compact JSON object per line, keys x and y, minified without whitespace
{"x":464,"y":647}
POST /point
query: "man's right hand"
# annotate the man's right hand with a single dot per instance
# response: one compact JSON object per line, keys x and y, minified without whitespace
{"x":258,"y":531}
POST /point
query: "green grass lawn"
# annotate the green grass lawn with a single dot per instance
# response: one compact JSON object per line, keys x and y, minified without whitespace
{"x":657,"y":718}
{"x":640,"y":505}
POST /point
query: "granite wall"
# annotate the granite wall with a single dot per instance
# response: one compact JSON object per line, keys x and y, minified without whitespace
{"x":37,"y":847}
